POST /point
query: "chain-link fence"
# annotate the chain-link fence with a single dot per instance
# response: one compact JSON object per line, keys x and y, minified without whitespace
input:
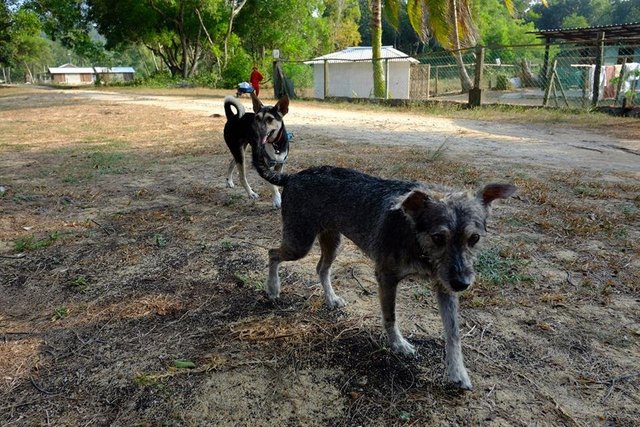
{"x":560,"y":75}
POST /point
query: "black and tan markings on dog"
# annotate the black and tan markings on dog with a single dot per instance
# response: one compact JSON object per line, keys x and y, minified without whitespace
{"x":265,"y":126}
{"x":406,"y":228}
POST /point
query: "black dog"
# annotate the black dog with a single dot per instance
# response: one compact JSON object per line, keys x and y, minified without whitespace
{"x":264,"y":127}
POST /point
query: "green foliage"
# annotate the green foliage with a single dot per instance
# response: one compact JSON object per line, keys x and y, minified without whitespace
{"x":295,"y":27}
{"x":502,"y":82}
{"x":496,"y":268}
{"x":32,"y":243}
{"x":594,"y":12}
{"x":80,"y":284}
{"x":207,"y":79}
{"x":300,"y":73}
{"x":160,"y":79}
{"x":342,"y":17}
{"x":171,"y":29}
{"x":238,"y":67}
{"x":60,"y":313}
{"x":5,"y":34}
{"x":575,"y":21}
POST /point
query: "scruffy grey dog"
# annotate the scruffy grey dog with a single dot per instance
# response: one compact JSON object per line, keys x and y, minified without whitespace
{"x":406,"y":228}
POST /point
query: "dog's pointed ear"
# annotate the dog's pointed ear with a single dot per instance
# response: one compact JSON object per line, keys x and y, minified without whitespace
{"x":413,"y":203}
{"x":491,"y":192}
{"x":283,"y":105}
{"x":257,"y":104}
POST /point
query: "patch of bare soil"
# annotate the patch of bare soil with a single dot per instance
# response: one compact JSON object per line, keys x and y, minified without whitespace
{"x":131,"y":278}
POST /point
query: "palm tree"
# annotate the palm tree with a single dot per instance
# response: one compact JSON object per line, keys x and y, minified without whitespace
{"x":449,"y":21}
{"x":376,"y":48}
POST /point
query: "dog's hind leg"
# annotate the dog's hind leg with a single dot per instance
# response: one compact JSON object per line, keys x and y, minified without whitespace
{"x":387,"y":287}
{"x":276,"y":199}
{"x":329,"y":246}
{"x":296,"y":243}
{"x":232,"y":167}
{"x":456,"y":371}
{"x":243,"y":176}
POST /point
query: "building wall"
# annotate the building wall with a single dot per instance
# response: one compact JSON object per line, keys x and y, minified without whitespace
{"x":355,"y":79}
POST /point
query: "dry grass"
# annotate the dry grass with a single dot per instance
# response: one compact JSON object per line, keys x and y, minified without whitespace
{"x":155,"y":261}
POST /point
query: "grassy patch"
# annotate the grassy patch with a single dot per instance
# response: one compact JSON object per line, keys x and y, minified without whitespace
{"x":80,"y":284}
{"x":60,"y":313}
{"x":32,"y":243}
{"x":107,"y":162}
{"x":249,"y":281}
{"x":496,"y":268}
{"x":233,"y":200}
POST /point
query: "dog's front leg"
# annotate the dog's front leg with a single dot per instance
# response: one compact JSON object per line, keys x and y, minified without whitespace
{"x":232,"y":167}
{"x":387,"y":287}
{"x":276,"y":199}
{"x":456,"y":371}
{"x":243,"y":177}
{"x":273,"y":281}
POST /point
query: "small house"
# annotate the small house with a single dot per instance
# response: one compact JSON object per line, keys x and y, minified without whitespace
{"x":349,"y":73}
{"x":69,"y":74}
{"x":113,"y":74}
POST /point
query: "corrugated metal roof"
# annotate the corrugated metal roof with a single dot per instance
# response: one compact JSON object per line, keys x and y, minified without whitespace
{"x":122,"y":70}
{"x":107,"y":70}
{"x":629,"y":30}
{"x":71,"y":70}
{"x":362,"y":53}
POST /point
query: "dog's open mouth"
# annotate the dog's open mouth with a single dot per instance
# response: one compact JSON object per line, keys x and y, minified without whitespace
{"x":265,"y":138}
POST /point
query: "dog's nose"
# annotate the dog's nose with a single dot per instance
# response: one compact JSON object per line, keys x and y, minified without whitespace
{"x":460,"y":285}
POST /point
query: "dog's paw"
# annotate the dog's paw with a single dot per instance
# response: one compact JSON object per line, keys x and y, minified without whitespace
{"x":402,"y":346}
{"x":273,"y":289}
{"x":335,"y":302}
{"x":230,"y":184}
{"x":277,"y":201}
{"x":254,"y":195}
{"x":459,"y":378}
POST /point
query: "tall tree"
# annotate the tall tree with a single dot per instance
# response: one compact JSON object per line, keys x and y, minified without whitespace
{"x":67,"y":21}
{"x":551,"y":16}
{"x":28,"y":46}
{"x":450,"y":23}
{"x":342,"y":18}
{"x":376,"y":48}
{"x":625,"y":11}
{"x":169,"y":28}
{"x":295,"y":27}
{"x":5,"y":34}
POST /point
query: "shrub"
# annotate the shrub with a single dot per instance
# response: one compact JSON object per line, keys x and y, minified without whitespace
{"x":238,"y":66}
{"x":502,"y":82}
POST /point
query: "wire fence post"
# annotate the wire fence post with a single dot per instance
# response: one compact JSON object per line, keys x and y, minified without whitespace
{"x":475,"y":94}
{"x":386,"y":78}
{"x":325,"y":76}
{"x":598,"y":69}
{"x":620,"y":80}
{"x":428,"y":80}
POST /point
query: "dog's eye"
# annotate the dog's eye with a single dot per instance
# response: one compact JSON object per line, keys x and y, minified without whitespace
{"x":438,"y":239}
{"x":269,"y":119}
{"x":473,"y":239}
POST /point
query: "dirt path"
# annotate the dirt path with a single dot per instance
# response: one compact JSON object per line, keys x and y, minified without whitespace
{"x":474,"y":141}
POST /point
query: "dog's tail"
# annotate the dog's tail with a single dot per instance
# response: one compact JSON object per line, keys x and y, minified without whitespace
{"x":269,"y":175}
{"x":230,"y":101}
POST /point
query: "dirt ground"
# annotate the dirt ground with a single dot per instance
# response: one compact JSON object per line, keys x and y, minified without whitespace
{"x":131,"y":278}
